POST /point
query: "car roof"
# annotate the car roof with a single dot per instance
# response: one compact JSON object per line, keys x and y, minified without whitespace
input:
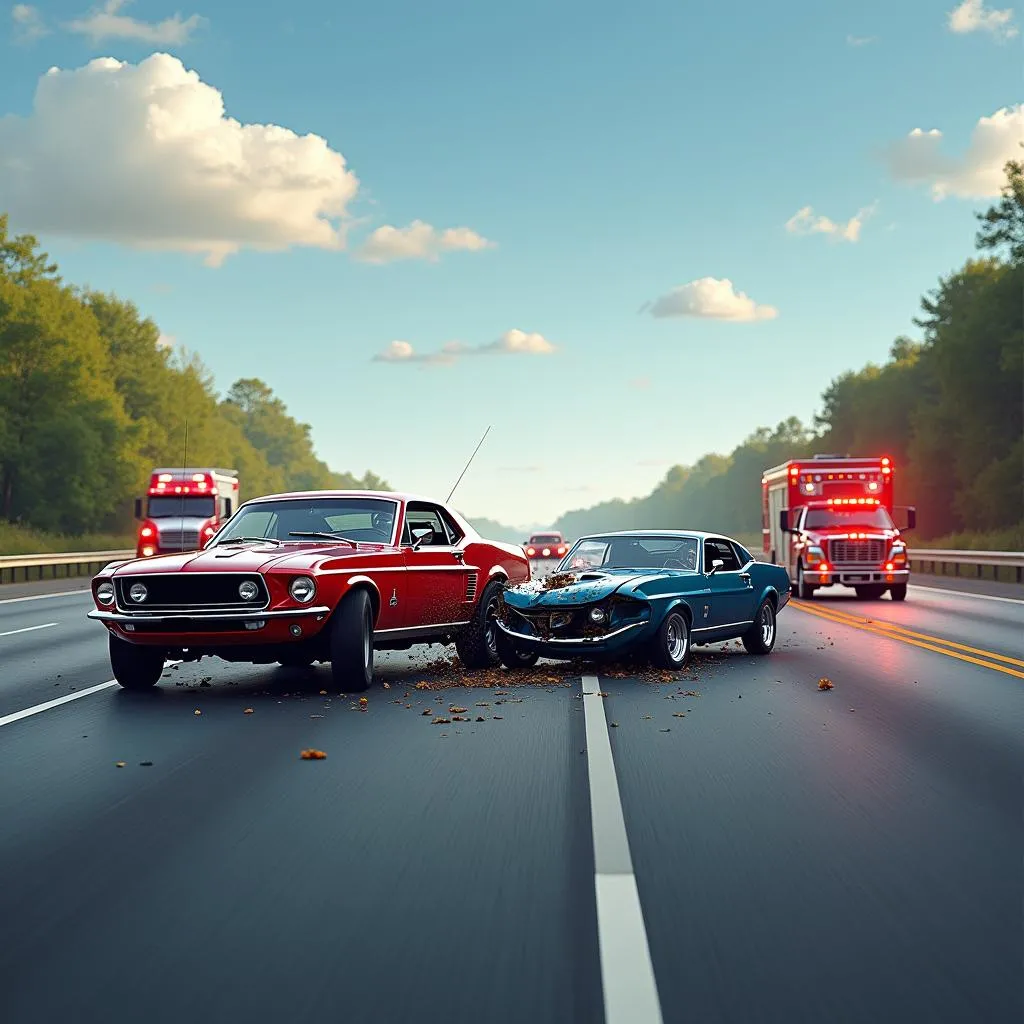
{"x":386,"y":495}
{"x":699,"y":534}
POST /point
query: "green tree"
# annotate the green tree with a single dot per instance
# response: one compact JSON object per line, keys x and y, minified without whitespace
{"x":1002,"y":225}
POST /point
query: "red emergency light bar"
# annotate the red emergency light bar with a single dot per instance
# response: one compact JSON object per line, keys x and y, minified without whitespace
{"x":853,"y":501}
{"x":168,"y":483}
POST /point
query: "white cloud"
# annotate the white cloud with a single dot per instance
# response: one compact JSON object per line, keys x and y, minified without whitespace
{"x":860,"y":40}
{"x":512,"y":342}
{"x":28,"y":23}
{"x":712,"y":298}
{"x":805,"y":222}
{"x":106,"y":23}
{"x":418,"y":241}
{"x":145,"y":155}
{"x":974,"y":16}
{"x":978,"y":174}
{"x":166,"y":341}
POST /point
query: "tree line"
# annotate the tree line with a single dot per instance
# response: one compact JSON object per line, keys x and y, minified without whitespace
{"x":90,"y":402}
{"x":948,"y":409}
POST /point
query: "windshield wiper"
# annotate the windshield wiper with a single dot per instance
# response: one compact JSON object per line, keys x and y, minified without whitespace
{"x":322,"y":536}
{"x":245,"y":540}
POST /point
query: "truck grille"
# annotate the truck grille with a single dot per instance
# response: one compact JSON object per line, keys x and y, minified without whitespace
{"x":179,"y":540}
{"x":191,"y":591}
{"x":846,"y":551}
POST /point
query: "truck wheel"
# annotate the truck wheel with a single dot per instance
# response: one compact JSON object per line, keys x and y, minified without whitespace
{"x":476,"y":646}
{"x":352,"y":643}
{"x":135,"y":667}
{"x":760,"y":638}
{"x":509,"y":653}
{"x":671,"y":646}
{"x":803,"y":590}
{"x":898,"y":591}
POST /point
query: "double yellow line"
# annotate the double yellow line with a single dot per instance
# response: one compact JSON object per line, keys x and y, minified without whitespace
{"x":974,"y":655}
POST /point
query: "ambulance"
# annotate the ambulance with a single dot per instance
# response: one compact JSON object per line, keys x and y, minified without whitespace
{"x":184,"y":508}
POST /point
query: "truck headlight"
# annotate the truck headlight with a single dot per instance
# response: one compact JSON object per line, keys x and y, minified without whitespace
{"x":814,"y":554}
{"x":302,"y":589}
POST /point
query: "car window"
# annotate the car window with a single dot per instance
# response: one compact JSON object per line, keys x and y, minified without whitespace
{"x":720,"y":549}
{"x":745,"y":555}
{"x":588,"y":554}
{"x":454,"y":530}
{"x":421,"y":516}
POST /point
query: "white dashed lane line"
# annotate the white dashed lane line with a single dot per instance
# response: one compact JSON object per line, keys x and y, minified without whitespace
{"x":627,"y":974}
{"x":28,"y":629}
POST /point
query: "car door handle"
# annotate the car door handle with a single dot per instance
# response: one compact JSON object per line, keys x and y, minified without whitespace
{"x":745,"y":576}
{"x":459,"y":556}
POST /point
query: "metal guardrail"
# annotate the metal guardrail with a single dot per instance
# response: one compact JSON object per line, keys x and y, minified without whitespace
{"x":14,"y":568}
{"x":943,"y":557}
{"x":57,"y":565}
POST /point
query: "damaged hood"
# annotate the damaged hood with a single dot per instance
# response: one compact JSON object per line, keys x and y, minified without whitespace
{"x":587,"y":587}
{"x":300,"y":556}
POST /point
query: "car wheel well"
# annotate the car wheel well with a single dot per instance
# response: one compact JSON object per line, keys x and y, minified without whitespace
{"x":683,"y":609}
{"x":374,"y":595}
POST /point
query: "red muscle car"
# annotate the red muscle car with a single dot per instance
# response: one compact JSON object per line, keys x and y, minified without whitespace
{"x":313,"y":576}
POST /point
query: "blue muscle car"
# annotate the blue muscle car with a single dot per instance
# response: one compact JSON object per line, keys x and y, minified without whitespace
{"x":652,"y":591}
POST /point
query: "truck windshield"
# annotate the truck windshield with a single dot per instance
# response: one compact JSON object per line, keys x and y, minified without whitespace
{"x":199,"y":505}
{"x":819,"y":518}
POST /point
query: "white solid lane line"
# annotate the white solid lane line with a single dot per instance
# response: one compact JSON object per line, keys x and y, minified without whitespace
{"x":28,"y":629}
{"x":627,"y":975}
{"x":966,"y":593}
{"x":42,"y":597}
{"x":17,"y":716}
{"x":39,"y":708}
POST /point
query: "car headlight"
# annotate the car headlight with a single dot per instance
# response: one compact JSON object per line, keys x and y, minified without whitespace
{"x":598,"y":615}
{"x":248,"y":591}
{"x":138,"y":593}
{"x":105,"y":593}
{"x":302,"y":589}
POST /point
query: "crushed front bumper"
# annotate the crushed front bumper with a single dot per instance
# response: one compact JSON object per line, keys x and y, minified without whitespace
{"x":571,"y":647}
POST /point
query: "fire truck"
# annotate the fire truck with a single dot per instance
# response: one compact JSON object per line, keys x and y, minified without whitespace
{"x":184,"y":508}
{"x":829,"y":520}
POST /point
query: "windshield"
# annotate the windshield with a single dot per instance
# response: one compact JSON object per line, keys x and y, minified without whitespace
{"x":357,"y":519}
{"x":546,"y":538}
{"x":200,"y":505}
{"x":848,"y":518}
{"x":654,"y":551}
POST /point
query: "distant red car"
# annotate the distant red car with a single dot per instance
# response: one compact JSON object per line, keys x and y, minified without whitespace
{"x":312,"y":576}
{"x":545,"y":545}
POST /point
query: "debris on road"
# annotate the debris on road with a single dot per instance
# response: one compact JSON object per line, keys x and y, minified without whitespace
{"x":119,"y":764}
{"x":247,"y":711}
{"x":824,"y":683}
{"x":313,"y":755}
{"x":441,"y":720}
{"x":197,"y":712}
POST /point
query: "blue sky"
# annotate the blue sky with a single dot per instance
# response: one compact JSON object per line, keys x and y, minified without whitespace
{"x":609,"y":153}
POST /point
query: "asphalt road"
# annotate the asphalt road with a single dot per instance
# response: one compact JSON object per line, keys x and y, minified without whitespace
{"x":845,"y":855}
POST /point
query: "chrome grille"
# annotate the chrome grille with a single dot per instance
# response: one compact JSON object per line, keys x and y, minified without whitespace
{"x":179,"y":540}
{"x":471,"y":584}
{"x":847,"y":551}
{"x":191,"y":591}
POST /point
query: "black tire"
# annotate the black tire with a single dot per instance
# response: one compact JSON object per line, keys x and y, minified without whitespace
{"x":509,"y":653}
{"x":476,"y":645}
{"x":870,"y":592}
{"x":803,"y":590}
{"x":760,"y":638}
{"x":898,"y":591}
{"x":670,"y":648}
{"x":352,"y":643}
{"x":135,"y":667}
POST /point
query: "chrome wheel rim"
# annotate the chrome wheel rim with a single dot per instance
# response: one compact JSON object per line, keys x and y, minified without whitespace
{"x":490,"y":627}
{"x":767,"y":625}
{"x":675,"y":638}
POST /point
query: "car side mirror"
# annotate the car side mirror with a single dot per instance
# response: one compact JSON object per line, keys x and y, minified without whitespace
{"x":784,"y":520}
{"x":138,"y":508}
{"x":716,"y":565}
{"x":420,"y":535}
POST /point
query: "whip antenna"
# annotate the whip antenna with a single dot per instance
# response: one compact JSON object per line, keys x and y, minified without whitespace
{"x":184,"y":466}
{"x":468,"y":464}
